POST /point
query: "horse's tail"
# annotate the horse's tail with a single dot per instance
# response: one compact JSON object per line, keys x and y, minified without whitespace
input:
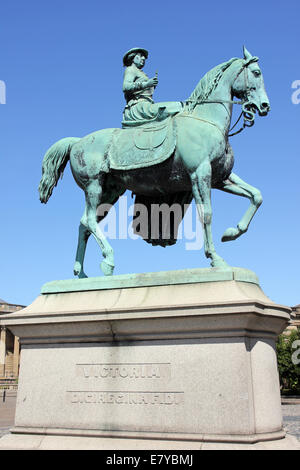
{"x":54,"y":163}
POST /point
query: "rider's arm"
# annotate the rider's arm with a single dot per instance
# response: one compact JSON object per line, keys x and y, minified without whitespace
{"x":131,"y":83}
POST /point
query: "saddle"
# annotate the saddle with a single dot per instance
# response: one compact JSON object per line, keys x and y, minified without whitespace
{"x":141,"y":147}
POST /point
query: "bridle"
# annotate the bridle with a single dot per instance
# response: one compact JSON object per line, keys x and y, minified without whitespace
{"x":247,"y":113}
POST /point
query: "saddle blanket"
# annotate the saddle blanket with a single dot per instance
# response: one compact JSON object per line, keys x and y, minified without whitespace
{"x":142,"y":147}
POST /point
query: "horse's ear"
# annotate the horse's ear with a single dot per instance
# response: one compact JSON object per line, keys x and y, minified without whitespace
{"x":247,"y":54}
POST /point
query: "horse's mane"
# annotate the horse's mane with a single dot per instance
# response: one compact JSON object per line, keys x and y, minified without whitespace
{"x":210,"y":81}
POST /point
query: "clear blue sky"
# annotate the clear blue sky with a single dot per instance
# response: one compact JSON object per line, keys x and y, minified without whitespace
{"x":62,"y":65}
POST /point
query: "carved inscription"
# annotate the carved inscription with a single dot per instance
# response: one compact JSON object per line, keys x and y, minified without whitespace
{"x":129,"y":398}
{"x":124,"y":371}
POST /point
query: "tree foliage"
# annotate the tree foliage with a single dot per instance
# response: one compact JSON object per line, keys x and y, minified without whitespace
{"x":288,"y":359}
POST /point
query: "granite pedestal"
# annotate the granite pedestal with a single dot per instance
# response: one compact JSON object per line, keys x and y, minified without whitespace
{"x":158,"y":360}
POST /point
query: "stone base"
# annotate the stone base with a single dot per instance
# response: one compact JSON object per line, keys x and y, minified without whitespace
{"x":168,"y":359}
{"x":45,"y":442}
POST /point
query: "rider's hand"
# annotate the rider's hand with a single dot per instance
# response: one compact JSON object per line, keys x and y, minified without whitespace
{"x":152,"y":82}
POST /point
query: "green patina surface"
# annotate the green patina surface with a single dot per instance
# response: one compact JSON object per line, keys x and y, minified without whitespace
{"x":166,"y":153}
{"x":186,"y":276}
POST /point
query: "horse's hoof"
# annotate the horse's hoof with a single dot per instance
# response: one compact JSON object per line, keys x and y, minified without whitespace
{"x":77,"y":268}
{"x":230,"y":234}
{"x":219,"y":263}
{"x":82,"y":275}
{"x":78,"y":271}
{"x":106,"y":268}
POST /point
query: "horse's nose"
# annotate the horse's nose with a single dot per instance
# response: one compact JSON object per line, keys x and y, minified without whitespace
{"x":265,"y":106}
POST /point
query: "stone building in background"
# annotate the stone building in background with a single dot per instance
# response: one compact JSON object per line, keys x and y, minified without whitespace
{"x":295,"y":320}
{"x":9,"y":345}
{"x":295,"y":323}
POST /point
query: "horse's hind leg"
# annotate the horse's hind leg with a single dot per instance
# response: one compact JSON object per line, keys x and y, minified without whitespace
{"x":83,"y":237}
{"x":93,"y":194}
{"x":236,"y":185}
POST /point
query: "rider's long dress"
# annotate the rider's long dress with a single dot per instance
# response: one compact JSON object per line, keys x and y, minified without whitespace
{"x":140,"y":108}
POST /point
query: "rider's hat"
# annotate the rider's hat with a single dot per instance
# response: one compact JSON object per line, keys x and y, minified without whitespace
{"x":131,"y":51}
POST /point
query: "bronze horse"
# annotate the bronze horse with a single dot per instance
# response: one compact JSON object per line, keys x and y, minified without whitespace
{"x":203,"y":159}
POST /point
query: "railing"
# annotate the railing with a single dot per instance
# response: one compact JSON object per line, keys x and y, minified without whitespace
{"x":8,"y":384}
{"x":10,"y":307}
{"x":8,"y":388}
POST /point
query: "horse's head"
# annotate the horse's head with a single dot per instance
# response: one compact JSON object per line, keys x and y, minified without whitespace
{"x":249,"y":86}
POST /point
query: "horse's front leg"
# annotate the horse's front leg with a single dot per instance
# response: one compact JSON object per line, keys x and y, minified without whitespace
{"x":236,"y":185}
{"x":201,"y":187}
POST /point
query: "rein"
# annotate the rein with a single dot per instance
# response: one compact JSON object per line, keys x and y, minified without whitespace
{"x":202,"y":120}
{"x":249,"y":116}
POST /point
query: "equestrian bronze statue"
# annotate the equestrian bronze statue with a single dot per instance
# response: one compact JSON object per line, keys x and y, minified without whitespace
{"x":167,"y":152}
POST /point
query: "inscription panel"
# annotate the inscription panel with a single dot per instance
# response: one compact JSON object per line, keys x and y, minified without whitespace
{"x":125,"y":397}
{"x":124,"y":370}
